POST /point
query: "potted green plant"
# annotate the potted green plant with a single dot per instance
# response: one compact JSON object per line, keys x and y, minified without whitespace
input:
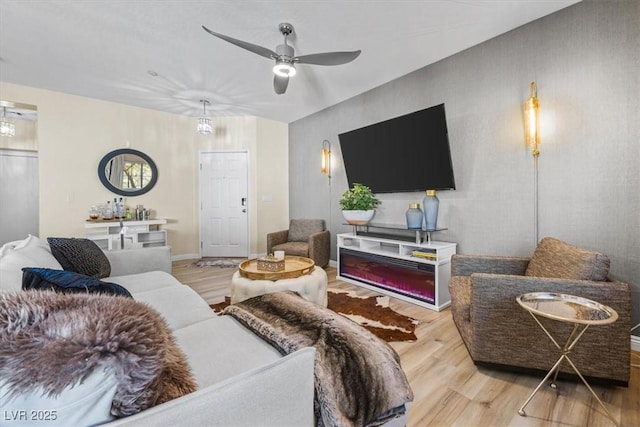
{"x":358,"y":204}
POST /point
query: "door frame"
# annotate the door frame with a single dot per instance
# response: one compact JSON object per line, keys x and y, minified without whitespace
{"x":249,"y":192}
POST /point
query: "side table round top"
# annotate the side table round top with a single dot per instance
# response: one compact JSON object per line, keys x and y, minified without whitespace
{"x":567,"y":308}
{"x":294,"y":266}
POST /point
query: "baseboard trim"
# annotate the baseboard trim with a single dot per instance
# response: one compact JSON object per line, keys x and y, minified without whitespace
{"x":184,"y":257}
{"x":635,"y":343}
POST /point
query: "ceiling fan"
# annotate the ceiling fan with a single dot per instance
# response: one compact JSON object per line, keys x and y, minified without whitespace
{"x":285,"y":57}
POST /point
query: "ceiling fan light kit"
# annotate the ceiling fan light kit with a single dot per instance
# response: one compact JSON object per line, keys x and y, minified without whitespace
{"x":284,"y":63}
{"x":284,"y":69}
{"x":285,"y":58}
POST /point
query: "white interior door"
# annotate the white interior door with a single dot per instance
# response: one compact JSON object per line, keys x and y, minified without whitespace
{"x":224,"y":204}
{"x":18,"y":195}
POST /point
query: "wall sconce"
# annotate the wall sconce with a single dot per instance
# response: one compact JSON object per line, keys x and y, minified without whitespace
{"x":326,"y":158}
{"x":532,"y":120}
{"x":532,"y":137}
{"x":204,"y":122}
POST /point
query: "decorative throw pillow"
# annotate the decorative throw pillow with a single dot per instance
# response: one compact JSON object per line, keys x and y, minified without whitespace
{"x":14,"y":256}
{"x":301,"y":229}
{"x":80,"y":255}
{"x":68,"y":282}
{"x":556,"y":259}
{"x":54,"y":342}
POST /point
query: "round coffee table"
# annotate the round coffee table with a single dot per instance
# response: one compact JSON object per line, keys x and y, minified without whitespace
{"x":311,"y":285}
{"x":581,"y":312}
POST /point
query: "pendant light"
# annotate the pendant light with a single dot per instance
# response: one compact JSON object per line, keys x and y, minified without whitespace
{"x":204,"y":122}
{"x":6,"y":127}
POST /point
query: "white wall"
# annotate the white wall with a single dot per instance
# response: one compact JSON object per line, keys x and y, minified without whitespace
{"x":272,"y":198}
{"x":74,"y":133}
{"x":586,"y":62}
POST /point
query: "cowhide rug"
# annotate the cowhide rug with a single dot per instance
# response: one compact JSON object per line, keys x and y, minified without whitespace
{"x":218,"y":262}
{"x":373,"y":313}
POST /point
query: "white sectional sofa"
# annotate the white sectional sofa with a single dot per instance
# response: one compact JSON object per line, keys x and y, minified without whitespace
{"x":242,"y":380}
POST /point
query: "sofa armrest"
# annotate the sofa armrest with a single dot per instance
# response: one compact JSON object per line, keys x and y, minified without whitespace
{"x":280,"y":393}
{"x":465,"y":265}
{"x":276,"y":238}
{"x":320,"y":247}
{"x":133,"y":261}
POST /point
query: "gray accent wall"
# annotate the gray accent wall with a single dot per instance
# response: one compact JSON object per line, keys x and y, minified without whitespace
{"x":585,"y":60}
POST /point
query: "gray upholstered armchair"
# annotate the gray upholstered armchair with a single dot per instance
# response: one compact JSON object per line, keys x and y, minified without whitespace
{"x":499,"y":333}
{"x":305,"y":237}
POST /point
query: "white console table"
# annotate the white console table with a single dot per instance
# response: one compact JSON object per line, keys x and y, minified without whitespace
{"x":137,"y":234}
{"x":415,"y":272}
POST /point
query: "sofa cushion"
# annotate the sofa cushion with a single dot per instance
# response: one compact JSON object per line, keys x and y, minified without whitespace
{"x":14,"y":256}
{"x":229,"y":347}
{"x":80,"y":255}
{"x":55,"y":341}
{"x":179,"y":304}
{"x":554,"y":258}
{"x":134,"y":261}
{"x":87,"y":403}
{"x":143,"y":282}
{"x":301,"y":229}
{"x":293,"y":248}
{"x":68,"y":282}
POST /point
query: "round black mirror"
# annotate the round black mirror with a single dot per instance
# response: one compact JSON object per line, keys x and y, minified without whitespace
{"x":127,"y":172}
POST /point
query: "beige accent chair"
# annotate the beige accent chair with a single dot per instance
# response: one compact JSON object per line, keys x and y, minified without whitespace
{"x":499,"y":333}
{"x":304,"y":237}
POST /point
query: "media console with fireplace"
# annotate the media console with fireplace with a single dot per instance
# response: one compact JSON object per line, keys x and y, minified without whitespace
{"x":415,"y":272}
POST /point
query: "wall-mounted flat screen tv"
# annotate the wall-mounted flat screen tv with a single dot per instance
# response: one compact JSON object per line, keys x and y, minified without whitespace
{"x":403,"y":154}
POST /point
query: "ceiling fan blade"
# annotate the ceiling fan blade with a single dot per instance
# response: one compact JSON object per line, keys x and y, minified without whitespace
{"x":328,"y":58}
{"x":280,"y":84}
{"x":262,"y":51}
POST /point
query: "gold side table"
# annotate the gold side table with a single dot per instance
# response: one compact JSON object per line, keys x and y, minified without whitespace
{"x":581,"y":312}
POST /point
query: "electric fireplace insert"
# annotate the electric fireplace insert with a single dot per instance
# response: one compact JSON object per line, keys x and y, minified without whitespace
{"x":411,"y":278}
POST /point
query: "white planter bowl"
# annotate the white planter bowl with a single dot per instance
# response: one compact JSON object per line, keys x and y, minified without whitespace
{"x":358,"y":217}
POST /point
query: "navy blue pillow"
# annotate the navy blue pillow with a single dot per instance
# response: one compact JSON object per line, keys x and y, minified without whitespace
{"x":68,"y":282}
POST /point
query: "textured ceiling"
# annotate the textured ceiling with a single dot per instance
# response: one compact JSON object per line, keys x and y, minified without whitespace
{"x":109,"y":49}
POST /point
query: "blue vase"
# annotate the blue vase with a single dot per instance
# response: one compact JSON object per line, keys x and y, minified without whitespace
{"x":430,"y":204}
{"x":414,"y":217}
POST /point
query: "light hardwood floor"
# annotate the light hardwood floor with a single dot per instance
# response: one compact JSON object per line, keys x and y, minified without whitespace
{"x":449,"y":389}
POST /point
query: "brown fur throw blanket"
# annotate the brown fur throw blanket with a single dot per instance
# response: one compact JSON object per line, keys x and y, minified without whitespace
{"x":358,"y":378}
{"x":52,"y":341}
